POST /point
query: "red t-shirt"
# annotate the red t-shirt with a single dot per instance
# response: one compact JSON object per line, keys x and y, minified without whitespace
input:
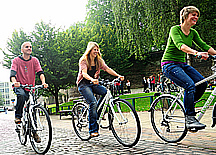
{"x":26,"y":69}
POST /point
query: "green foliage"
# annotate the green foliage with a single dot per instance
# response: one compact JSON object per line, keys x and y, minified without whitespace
{"x":100,"y":22}
{"x":14,"y":46}
{"x":100,"y":11}
{"x":143,"y":25}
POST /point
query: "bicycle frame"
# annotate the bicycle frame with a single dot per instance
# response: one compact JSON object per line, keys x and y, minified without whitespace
{"x":108,"y":100}
{"x":31,"y":104}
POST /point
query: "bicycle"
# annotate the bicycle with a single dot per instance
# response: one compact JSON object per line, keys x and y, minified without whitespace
{"x":116,"y":114}
{"x":168,"y":113}
{"x":35,"y":120}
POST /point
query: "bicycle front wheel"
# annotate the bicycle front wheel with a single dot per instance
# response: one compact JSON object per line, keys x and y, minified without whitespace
{"x":22,"y":129}
{"x":41,"y":130}
{"x":125,"y":123}
{"x":80,"y":114}
{"x":168,"y":119}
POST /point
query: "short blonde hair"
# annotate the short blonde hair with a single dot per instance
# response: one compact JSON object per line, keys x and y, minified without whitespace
{"x":23,"y":44}
{"x":86,"y":56}
{"x":185,"y":12}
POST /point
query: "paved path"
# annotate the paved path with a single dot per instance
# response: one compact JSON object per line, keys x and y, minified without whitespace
{"x":66,"y":142}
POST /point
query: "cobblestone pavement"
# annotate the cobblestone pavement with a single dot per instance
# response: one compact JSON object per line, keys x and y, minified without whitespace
{"x":66,"y":142}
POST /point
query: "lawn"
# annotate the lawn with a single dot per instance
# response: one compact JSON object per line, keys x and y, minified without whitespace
{"x":141,"y":104}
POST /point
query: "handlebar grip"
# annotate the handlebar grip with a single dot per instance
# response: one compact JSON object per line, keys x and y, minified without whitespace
{"x":199,"y":56}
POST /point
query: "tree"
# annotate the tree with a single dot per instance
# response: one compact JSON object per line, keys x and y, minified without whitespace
{"x":14,"y":47}
{"x":57,"y":52}
{"x":143,"y":25}
{"x":100,"y":11}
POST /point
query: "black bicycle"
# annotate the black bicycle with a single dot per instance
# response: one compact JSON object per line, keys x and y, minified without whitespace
{"x":35,"y":123}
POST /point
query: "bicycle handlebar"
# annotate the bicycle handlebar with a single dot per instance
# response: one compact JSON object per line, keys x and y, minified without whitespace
{"x":31,"y":86}
{"x":107,"y":82}
{"x":211,"y":57}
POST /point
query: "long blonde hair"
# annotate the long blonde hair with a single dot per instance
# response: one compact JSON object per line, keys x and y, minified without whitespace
{"x":86,"y":56}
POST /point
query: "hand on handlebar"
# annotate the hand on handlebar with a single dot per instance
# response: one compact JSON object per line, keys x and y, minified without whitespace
{"x":204,"y":55}
{"x":95,"y":81}
{"x":121,"y":78}
{"x":16,"y":84}
{"x":45,"y":85}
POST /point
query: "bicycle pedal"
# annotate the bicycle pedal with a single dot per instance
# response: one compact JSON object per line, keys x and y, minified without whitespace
{"x":18,"y":127}
{"x":194,"y":130}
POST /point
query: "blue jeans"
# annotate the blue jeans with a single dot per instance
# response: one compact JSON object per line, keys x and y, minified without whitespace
{"x":88,"y":91}
{"x":22,"y":96}
{"x":186,"y":76}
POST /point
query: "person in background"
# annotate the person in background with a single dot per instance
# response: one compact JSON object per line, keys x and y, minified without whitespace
{"x":152,"y":83}
{"x":145,"y":84}
{"x":90,"y":65}
{"x":174,"y":64}
{"x":128,"y":86}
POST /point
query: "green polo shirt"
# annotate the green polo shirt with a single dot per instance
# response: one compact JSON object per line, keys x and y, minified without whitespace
{"x":176,"y":39}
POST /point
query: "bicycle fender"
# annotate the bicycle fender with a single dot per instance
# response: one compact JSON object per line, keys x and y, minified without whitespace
{"x":165,"y":95}
{"x":214,"y":116}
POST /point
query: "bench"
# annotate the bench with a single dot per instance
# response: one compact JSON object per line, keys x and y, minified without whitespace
{"x":65,"y":113}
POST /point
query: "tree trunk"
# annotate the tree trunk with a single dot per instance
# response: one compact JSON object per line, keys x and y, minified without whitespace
{"x":56,"y":99}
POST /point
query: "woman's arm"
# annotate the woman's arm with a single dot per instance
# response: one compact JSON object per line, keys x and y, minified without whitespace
{"x":112,"y":72}
{"x":189,"y":50}
{"x":86,"y":76}
{"x":211,"y":51}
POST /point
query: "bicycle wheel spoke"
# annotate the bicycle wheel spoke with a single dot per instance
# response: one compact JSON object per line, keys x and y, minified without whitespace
{"x":80,"y":121}
{"x":126,"y":125}
{"x":41,"y":126}
{"x":168,"y":119}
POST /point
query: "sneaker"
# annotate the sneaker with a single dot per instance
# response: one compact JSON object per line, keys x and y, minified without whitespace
{"x":17,"y":120}
{"x":37,"y":138}
{"x":95,"y":134}
{"x":192,"y":122}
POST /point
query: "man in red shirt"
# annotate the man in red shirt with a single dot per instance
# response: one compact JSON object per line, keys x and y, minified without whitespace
{"x":23,"y":71}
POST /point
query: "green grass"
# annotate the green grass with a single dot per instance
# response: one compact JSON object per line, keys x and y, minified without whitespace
{"x":141,"y":104}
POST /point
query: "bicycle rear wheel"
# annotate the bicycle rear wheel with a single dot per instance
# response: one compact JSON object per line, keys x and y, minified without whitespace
{"x":80,"y":114}
{"x":125,"y":123}
{"x":41,"y":126}
{"x":22,"y":129}
{"x":168,"y":119}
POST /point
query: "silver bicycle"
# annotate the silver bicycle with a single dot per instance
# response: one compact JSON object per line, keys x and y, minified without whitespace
{"x":168,"y":113}
{"x":115,"y":114}
{"x":35,"y":121}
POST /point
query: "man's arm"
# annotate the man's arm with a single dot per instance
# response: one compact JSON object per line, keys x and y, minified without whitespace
{"x":13,"y":79}
{"x":42,"y":78}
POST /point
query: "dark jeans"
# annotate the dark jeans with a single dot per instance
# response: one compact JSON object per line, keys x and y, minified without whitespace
{"x":88,"y":91}
{"x":22,"y":96}
{"x":186,"y":76}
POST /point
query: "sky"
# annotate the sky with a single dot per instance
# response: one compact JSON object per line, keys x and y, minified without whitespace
{"x":24,"y":14}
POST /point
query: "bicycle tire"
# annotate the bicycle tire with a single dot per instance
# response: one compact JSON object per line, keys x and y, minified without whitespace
{"x":43,"y":128}
{"x":22,"y":131}
{"x":80,"y":122}
{"x":169,"y":127}
{"x":128,"y":131}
